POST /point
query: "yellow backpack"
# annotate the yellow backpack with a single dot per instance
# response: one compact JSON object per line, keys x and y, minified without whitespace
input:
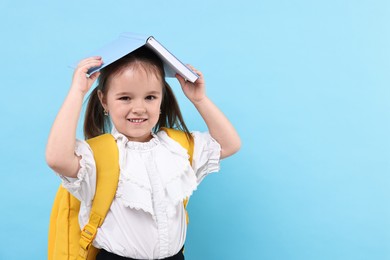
{"x":66,"y":240}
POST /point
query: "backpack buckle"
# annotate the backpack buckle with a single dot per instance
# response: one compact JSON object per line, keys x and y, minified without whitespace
{"x":88,"y":233}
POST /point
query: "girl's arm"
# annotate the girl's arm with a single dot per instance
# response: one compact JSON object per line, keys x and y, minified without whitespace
{"x":219,"y":126}
{"x":61,"y":144}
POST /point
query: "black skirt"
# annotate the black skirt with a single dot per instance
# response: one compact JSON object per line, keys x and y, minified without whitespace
{"x":104,"y":255}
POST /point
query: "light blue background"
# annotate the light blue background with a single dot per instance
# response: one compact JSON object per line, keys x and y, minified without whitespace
{"x":306,"y":83}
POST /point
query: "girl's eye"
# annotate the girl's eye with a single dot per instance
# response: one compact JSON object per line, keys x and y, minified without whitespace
{"x":124,"y":98}
{"x":151,"y":97}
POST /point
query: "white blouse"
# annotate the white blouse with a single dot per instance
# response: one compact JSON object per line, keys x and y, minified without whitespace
{"x":146,"y":219}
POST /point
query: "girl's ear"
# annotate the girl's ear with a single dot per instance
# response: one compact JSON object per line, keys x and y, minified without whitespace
{"x":102,"y":99}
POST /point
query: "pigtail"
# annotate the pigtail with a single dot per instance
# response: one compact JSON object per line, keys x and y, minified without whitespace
{"x":95,"y":122}
{"x":171,"y":116}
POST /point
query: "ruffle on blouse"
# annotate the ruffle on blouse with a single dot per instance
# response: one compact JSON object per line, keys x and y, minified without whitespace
{"x":180,"y":183}
{"x":87,"y":166}
{"x":135,"y":196}
{"x":179,"y":189}
{"x":179,"y":179}
{"x":207,"y":155}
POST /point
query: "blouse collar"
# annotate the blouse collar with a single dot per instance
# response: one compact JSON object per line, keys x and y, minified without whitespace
{"x":133,"y":145}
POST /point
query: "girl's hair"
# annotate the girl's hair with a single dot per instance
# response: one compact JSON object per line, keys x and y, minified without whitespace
{"x":96,"y":123}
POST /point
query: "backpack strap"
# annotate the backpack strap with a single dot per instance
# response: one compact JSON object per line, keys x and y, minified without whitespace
{"x":187,"y":142}
{"x":106,"y":155}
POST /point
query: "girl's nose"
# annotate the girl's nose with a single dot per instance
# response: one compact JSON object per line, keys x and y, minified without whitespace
{"x":138,"y":108}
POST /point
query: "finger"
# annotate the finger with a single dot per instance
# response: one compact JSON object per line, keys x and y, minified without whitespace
{"x":91,"y":64}
{"x":194,"y":69}
{"x":190,"y":66}
{"x":181,"y":80}
{"x":89,"y":60}
{"x":94,"y":76}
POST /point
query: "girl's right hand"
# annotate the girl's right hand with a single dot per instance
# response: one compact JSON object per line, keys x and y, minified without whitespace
{"x":81,"y":81}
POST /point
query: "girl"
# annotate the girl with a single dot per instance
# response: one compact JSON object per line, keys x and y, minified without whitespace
{"x":146,"y":219}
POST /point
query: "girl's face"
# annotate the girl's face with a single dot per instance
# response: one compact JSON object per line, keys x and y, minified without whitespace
{"x":133,"y":101}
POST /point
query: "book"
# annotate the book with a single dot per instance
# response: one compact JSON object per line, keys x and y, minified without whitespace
{"x":128,"y":42}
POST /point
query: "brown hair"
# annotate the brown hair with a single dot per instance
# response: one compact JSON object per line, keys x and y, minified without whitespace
{"x":95,"y":123}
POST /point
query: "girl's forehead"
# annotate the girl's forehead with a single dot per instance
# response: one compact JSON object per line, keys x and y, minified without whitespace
{"x":135,"y":79}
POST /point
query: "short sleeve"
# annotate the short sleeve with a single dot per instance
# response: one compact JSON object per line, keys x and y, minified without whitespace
{"x":206,"y":156}
{"x":82,"y":187}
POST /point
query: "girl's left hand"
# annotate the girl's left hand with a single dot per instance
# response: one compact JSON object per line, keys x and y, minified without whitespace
{"x":195,"y":92}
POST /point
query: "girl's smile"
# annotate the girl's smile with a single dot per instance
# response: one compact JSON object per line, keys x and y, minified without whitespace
{"x":137,"y":120}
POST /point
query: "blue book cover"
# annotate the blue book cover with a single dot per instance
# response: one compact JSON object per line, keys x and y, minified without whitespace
{"x":128,"y":42}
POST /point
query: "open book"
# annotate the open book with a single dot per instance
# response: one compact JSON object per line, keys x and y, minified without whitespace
{"x":128,"y":42}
